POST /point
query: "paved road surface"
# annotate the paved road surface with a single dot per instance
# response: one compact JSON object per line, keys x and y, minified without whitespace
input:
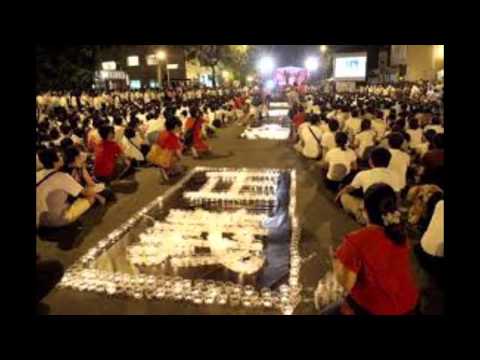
{"x":323,"y":224}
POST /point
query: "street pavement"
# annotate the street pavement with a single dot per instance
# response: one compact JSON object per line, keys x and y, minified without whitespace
{"x":323,"y":225}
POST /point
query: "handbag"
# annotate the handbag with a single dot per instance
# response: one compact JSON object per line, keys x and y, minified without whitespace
{"x":160,"y":157}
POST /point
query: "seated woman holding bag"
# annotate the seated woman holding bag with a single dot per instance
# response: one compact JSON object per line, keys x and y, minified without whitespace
{"x":167,"y":150}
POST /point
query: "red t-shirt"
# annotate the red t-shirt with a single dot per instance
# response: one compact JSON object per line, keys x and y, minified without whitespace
{"x":298,"y":119}
{"x":106,"y":154}
{"x":168,"y":140}
{"x":385,"y":283}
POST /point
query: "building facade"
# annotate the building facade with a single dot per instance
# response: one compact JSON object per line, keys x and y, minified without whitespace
{"x":418,"y":62}
{"x":140,"y":66}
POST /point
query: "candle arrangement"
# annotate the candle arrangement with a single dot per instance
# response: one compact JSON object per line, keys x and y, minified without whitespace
{"x":231,"y":237}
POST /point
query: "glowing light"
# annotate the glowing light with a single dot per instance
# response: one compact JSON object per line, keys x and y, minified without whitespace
{"x":270,"y":84}
{"x":311,"y":63}
{"x":249,"y":78}
{"x":161,"y":55}
{"x":226,"y":74}
{"x":323,"y":48}
{"x":266,"y":65}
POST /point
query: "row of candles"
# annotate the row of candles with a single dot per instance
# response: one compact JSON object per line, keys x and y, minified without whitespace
{"x":180,"y":289}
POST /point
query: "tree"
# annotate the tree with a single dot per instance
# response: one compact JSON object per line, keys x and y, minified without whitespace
{"x":232,"y":56}
{"x":65,"y":67}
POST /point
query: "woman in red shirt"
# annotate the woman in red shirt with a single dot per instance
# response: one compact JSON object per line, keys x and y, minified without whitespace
{"x":373,"y":264}
{"x":194,"y":124}
{"x":110,"y":163}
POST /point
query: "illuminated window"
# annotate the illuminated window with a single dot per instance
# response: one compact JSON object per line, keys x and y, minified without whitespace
{"x":153,"y":84}
{"x":135,"y":84}
{"x":152,"y":60}
{"x":133,"y":61}
{"x":109,"y":65}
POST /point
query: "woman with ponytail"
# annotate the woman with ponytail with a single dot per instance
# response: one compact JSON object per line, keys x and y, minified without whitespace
{"x":373,"y":264}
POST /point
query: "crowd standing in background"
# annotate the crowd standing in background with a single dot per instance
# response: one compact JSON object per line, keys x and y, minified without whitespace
{"x":381,"y":149}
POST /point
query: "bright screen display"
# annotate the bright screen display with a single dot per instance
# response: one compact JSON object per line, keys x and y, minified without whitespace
{"x":352,"y":67}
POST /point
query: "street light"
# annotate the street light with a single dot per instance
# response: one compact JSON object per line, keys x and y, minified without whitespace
{"x":323,"y":48}
{"x":311,"y":63}
{"x":161,"y":56}
{"x":266,"y":65}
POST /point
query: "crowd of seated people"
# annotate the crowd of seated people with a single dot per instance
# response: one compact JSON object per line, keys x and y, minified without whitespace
{"x":381,"y":150}
{"x":89,"y":141}
{"x":386,"y":143}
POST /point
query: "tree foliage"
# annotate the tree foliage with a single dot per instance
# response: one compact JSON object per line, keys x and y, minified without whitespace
{"x":234,"y":57}
{"x":65,"y":67}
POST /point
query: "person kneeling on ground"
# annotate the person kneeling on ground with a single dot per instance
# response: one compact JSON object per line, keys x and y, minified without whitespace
{"x":110,"y":162}
{"x":309,"y":144}
{"x":167,"y":151}
{"x":76,"y":166}
{"x":340,"y":162}
{"x":351,"y":196}
{"x":194,"y":133}
{"x":60,"y":199}
{"x":373,"y":264}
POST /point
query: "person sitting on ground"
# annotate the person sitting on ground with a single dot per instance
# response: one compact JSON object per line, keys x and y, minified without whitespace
{"x":421,"y":200}
{"x":76,"y":166}
{"x":131,"y":147}
{"x":110,"y":162}
{"x":167,"y":151}
{"x":299,"y":117}
{"x":118,"y":129}
{"x":55,"y":137}
{"x":93,"y":136}
{"x":378,"y":125}
{"x":351,"y":196}
{"x":339,"y":162}
{"x":328,"y":138}
{"x":310,"y":136}
{"x":415,"y":133}
{"x":60,"y":199}
{"x":365,"y":139}
{"x":400,"y":160}
{"x":430,"y":250}
{"x":432,"y":163}
{"x":435,"y":125}
{"x":373,"y":264}
{"x":154,"y":126}
{"x":194,"y":138}
{"x":353,"y":124}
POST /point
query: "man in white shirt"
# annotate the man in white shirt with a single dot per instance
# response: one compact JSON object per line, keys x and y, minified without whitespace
{"x":328,"y":138}
{"x":310,"y":138}
{"x":415,"y":133}
{"x":353,"y":125}
{"x":436,"y":125}
{"x":378,"y":173}
{"x":154,"y":127}
{"x":53,"y":190}
{"x":364,"y":139}
{"x":400,"y":161}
